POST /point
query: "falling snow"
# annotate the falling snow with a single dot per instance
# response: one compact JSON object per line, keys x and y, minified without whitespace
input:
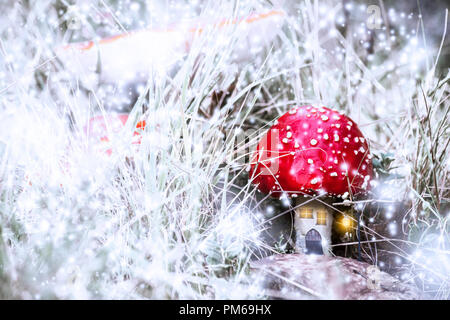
{"x":128,"y":130}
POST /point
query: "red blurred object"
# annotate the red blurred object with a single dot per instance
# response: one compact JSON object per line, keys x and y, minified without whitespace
{"x":100,"y":130}
{"x":312,"y":149}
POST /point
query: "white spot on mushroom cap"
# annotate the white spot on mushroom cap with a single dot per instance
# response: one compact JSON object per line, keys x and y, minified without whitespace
{"x":289,"y":134}
{"x":346,"y":139}
{"x":333,"y":174}
{"x":314,"y":181}
{"x":285,"y":140}
{"x":313,"y":142}
{"x":325,"y":136}
{"x":310,"y":161}
{"x":324,"y":118}
{"x":320,"y":130}
{"x":336,"y":137}
{"x":296,"y":145}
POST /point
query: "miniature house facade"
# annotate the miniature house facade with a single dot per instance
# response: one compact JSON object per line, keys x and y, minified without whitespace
{"x":313,"y":223}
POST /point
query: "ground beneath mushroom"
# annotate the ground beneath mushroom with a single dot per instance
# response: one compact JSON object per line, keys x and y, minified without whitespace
{"x":299,"y":276}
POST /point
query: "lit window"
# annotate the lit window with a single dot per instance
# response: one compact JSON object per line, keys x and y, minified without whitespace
{"x":306,"y":213}
{"x":321,"y":217}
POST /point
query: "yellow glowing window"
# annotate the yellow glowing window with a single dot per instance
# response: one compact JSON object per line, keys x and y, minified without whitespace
{"x":306,"y":213}
{"x":321,"y":217}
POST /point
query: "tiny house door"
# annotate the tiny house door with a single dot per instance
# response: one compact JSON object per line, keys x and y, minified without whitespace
{"x":313,"y":242}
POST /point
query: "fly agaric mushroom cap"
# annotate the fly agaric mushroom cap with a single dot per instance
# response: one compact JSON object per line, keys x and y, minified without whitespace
{"x":100,"y":127}
{"x":312,"y":150}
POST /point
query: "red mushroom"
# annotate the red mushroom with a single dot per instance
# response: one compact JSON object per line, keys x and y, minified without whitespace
{"x":312,"y":151}
{"x":100,"y":128}
{"x":131,"y":55}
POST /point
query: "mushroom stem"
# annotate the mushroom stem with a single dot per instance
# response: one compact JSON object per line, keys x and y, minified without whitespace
{"x":312,"y":224}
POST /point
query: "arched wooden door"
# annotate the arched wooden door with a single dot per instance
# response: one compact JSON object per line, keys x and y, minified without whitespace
{"x":313,"y":242}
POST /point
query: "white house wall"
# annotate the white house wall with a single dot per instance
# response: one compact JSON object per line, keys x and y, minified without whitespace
{"x":302,"y":226}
